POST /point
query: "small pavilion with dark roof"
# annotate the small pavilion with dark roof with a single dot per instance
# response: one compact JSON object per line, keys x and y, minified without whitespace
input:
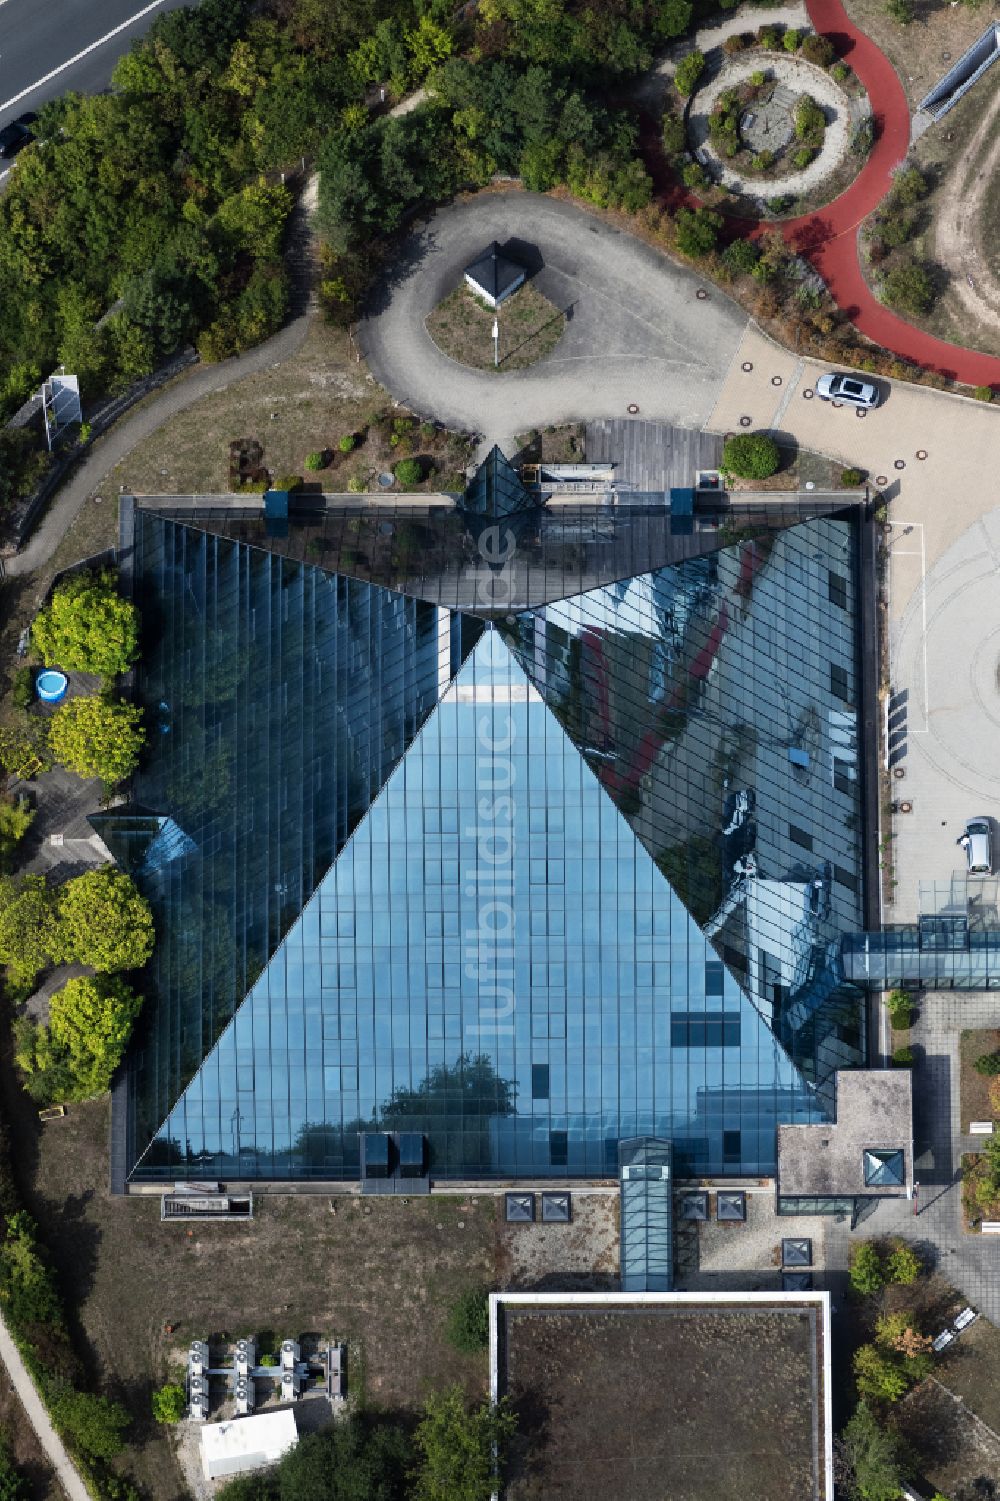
{"x":494,"y":275}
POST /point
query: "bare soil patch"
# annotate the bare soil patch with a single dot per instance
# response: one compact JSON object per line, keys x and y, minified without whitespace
{"x":959,"y":1454}
{"x":975,"y":1087}
{"x":530,"y":328}
{"x":917,"y":51}
{"x":592,"y":1429}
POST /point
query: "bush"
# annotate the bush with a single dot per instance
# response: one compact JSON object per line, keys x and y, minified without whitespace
{"x":94,"y":1424}
{"x":357,"y":484}
{"x":689,"y":70}
{"x":758,"y":78}
{"x":23,"y":692}
{"x":863,"y":138}
{"x":903,"y":1057}
{"x":810,"y":121}
{"x":792,"y":40}
{"x":694,"y":175}
{"x":97,"y":738}
{"x":409,"y":472}
{"x":672,"y":133}
{"x":818,"y":50}
{"x":866,"y":1274}
{"x":697,"y":232}
{"x":734,"y":43}
{"x":315,"y":462}
{"x":909,"y":187}
{"x":105,"y":922}
{"x":87,"y":627}
{"x":169,"y":1403}
{"x":751,"y":456}
{"x":16,"y":818}
{"x":347,"y":443}
{"x":840,"y":72}
{"x":286,"y":482}
{"x":878,"y":1375}
{"x":908,"y":287}
{"x":902,"y":1264}
{"x":988,"y":1064}
{"x":763,"y":161}
{"x":769,"y":37}
{"x":741,"y":256}
{"x":900,"y":10}
{"x":852,"y":478}
{"x":983,"y":393}
{"x":468,"y":1326}
{"x":803,"y":157}
{"x":461,"y":1453}
{"x":871,"y":1457}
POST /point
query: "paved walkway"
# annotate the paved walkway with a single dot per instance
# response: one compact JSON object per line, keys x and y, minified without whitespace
{"x":637,"y":331}
{"x":39,"y":1419}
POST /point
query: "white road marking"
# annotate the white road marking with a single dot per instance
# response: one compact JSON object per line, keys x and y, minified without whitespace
{"x":906,"y":552}
{"x":155,"y":5}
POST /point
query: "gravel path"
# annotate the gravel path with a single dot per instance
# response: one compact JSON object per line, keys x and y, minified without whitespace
{"x":39,"y":1419}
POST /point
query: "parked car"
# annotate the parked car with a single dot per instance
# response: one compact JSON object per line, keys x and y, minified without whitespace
{"x":16,"y":135}
{"x":850,"y":389}
{"x":977,"y":841}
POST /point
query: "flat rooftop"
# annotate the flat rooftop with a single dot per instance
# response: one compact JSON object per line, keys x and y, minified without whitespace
{"x":867,"y":1153}
{"x":685,"y":1395}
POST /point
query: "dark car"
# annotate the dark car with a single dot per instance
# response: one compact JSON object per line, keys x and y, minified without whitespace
{"x":16,"y":135}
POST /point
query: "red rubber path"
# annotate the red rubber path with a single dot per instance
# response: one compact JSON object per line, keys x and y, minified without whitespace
{"x":829,"y":237}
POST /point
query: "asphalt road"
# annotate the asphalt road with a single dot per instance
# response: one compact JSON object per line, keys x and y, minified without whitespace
{"x":50,"y":46}
{"x":637,"y":332}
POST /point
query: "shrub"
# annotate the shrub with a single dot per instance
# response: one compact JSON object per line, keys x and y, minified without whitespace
{"x":763,"y":161}
{"x":87,"y":627}
{"x":908,"y":287}
{"x":347,"y":443}
{"x":16,"y":818}
{"x":169,"y":1403}
{"x":818,"y":50}
{"x":315,"y":461}
{"x":461,"y":1452}
{"x":734,"y":43}
{"x":840,"y":72}
{"x":23,"y":692}
{"x":878,"y":1375}
{"x":694,"y":175}
{"x":758,"y":78}
{"x":751,"y":455}
{"x":409,"y":472}
{"x":468,"y":1326}
{"x":900,"y":10}
{"x":96,"y":738}
{"x":94,"y":1424}
{"x":792,"y":40}
{"x":810,"y":120}
{"x":689,"y":70}
{"x":902,"y":1264}
{"x":286,"y":482}
{"x":983,"y":393}
{"x":903,"y":1057}
{"x":741,"y":256}
{"x":851,"y":478}
{"x":909,"y":186}
{"x":697,"y":232}
{"x":988,"y":1064}
{"x":871,"y":1457}
{"x":769,"y":37}
{"x":866,"y":1274}
{"x":672,"y":133}
{"x":26,"y":1283}
{"x":803,"y":157}
{"x":357,"y":484}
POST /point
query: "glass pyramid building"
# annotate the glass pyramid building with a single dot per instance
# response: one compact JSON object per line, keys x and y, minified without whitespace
{"x":531,"y":828}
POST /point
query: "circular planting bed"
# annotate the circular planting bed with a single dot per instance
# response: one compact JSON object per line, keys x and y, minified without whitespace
{"x":772,"y":125}
{"x":530,"y":328}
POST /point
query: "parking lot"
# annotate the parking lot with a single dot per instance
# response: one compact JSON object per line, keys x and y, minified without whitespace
{"x":933,"y":455}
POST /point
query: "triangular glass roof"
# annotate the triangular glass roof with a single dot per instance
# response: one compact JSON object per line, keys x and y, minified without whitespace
{"x":884,"y":1169}
{"x":491,"y":915}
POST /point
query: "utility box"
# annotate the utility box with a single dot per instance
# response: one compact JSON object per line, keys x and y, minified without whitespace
{"x":376,"y":1154}
{"x":412,"y":1154}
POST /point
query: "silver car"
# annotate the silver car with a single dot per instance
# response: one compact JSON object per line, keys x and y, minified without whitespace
{"x":977,"y":842}
{"x":850,"y":389}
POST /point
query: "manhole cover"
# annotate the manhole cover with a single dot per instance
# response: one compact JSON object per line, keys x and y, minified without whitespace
{"x":633,"y":407}
{"x":881,"y":479}
{"x":386,"y":480}
{"x":747,"y":366}
{"x":921,"y":453}
{"x":775,"y":380}
{"x":809,"y":394}
{"x":701,"y":294}
{"x":746,"y":422}
{"x":899,"y":464}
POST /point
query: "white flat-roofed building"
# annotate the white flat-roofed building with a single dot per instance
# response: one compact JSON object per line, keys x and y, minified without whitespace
{"x":244,"y":1444}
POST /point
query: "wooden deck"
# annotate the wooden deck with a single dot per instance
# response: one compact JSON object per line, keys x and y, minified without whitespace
{"x":651,"y":455}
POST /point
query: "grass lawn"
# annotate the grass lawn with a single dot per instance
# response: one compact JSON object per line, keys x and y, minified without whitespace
{"x":530,"y":328}
{"x":916,"y":51}
{"x":957,"y":1455}
{"x":379,"y":1273}
{"x":975,"y":1087}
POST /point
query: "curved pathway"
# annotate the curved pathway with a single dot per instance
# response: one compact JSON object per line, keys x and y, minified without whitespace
{"x":35,"y":1411}
{"x":829,"y":237}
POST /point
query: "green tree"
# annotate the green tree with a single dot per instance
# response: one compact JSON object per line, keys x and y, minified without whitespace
{"x":468,"y":1326}
{"x":27,"y":1288}
{"x":907,"y":286}
{"x":94,"y":1424}
{"x":409,"y":472}
{"x":902,"y":1264}
{"x":90,"y":1022}
{"x":169,"y":1403}
{"x":689,"y":70}
{"x":741,"y":255}
{"x":672,"y":133}
{"x":88,"y":627}
{"x":97,"y":738}
{"x":751,"y":455}
{"x":988,"y":1064}
{"x":672,"y":17}
{"x":870,"y":1456}
{"x":866,"y":1274}
{"x":28,"y":928}
{"x":16,"y":817}
{"x":461,"y":1451}
{"x":24,"y":747}
{"x":877,"y":1374}
{"x":105,"y":921}
{"x":697,"y":231}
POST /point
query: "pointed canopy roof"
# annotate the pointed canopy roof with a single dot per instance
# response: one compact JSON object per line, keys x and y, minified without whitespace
{"x":496,"y":272}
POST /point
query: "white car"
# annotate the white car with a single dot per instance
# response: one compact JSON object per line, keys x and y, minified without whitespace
{"x":850,"y":389}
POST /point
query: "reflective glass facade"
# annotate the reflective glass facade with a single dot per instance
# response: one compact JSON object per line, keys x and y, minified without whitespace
{"x":528,"y":881}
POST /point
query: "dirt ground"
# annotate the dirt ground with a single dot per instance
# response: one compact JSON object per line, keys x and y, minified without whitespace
{"x":917,"y":51}
{"x":959,"y":1454}
{"x":24,"y":1448}
{"x":303,"y":406}
{"x":974,"y":1087}
{"x":530,"y":327}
